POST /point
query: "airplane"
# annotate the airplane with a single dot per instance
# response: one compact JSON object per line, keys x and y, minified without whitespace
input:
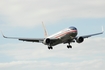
{"x":68,"y":35}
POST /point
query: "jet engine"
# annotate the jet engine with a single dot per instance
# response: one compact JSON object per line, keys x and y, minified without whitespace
{"x":46,"y":41}
{"x":80,"y":39}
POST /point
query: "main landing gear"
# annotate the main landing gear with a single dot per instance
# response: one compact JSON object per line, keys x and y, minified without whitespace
{"x":50,"y":47}
{"x":69,"y":46}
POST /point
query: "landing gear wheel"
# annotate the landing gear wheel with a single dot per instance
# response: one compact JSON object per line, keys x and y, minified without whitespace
{"x":69,"y":46}
{"x":50,"y":48}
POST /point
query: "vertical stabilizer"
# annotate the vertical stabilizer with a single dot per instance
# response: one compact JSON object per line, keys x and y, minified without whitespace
{"x":45,"y":31}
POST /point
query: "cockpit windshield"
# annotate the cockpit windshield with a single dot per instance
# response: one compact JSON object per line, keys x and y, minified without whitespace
{"x":73,"y":28}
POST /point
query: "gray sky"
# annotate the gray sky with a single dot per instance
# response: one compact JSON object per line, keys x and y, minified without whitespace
{"x":21,"y":18}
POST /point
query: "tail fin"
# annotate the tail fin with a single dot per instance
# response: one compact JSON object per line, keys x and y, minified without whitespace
{"x":45,"y":31}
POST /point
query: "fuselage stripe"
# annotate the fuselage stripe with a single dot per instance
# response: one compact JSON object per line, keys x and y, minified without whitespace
{"x":64,"y":33}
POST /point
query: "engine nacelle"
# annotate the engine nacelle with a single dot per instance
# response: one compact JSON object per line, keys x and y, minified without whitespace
{"x":46,"y":41}
{"x":80,"y":39}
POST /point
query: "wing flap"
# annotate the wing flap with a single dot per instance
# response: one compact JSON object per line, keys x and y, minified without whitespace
{"x":31,"y":40}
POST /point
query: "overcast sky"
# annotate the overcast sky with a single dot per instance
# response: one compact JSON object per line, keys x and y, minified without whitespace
{"x":22,"y":18}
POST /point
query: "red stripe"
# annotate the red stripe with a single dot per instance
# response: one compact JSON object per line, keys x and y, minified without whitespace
{"x":67,"y":32}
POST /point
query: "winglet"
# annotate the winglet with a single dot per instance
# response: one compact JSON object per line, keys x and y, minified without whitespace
{"x":45,"y":31}
{"x":3,"y":34}
{"x":102,"y":29}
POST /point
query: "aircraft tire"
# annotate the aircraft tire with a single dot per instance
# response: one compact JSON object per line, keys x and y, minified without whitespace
{"x":69,"y":46}
{"x":50,"y":48}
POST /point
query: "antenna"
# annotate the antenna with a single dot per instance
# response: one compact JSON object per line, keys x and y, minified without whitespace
{"x":45,"y":31}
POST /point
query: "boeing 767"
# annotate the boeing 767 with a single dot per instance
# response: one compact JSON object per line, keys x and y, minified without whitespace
{"x":67,"y":35}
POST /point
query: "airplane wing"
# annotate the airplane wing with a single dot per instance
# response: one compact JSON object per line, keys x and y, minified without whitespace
{"x":40,"y":40}
{"x":87,"y":36}
{"x":25,"y":39}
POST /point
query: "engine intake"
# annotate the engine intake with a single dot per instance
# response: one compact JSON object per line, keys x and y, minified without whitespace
{"x":80,"y":39}
{"x":46,"y":41}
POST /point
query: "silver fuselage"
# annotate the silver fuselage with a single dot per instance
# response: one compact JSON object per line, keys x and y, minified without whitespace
{"x":64,"y":36}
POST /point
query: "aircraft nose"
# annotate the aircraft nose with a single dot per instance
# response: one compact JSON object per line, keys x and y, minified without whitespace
{"x":74,"y":31}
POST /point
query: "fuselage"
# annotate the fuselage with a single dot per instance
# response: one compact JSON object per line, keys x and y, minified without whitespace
{"x":65,"y":35}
